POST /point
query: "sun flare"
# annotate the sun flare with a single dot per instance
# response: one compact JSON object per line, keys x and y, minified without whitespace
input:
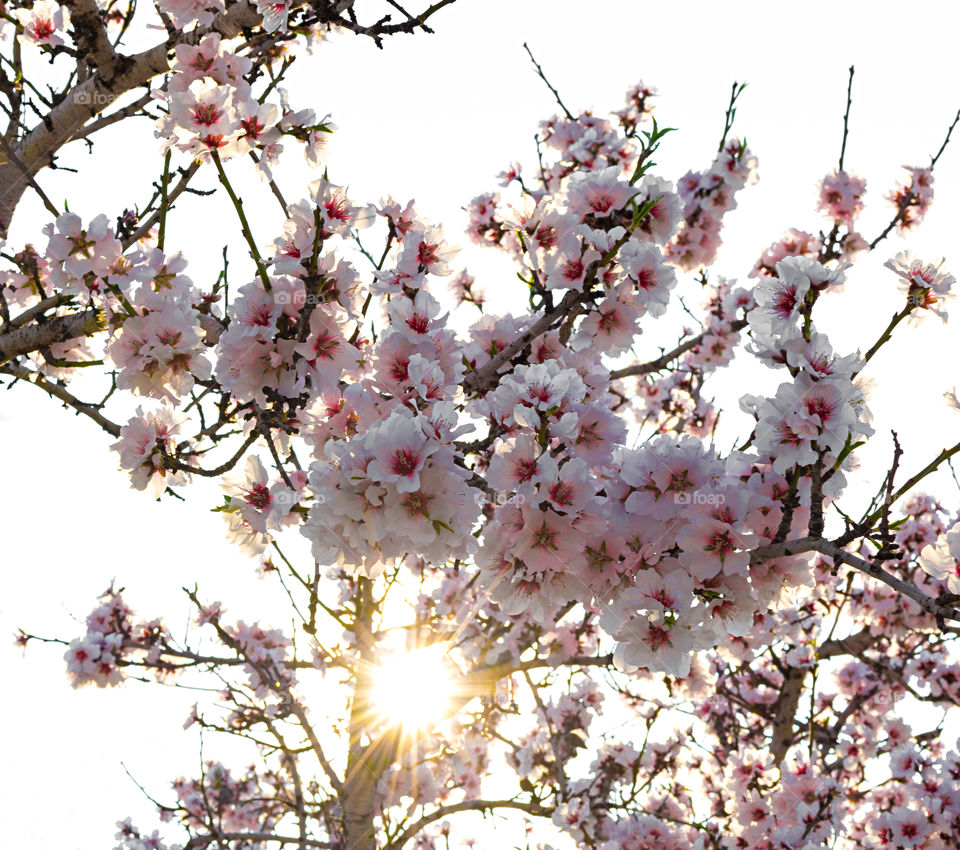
{"x":414,"y":688}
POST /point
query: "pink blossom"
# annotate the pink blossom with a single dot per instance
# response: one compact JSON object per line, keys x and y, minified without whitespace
{"x":143,"y":441}
{"x":926,"y":285}
{"x":841,"y":196}
{"x":399,"y":448}
{"x":599,"y":194}
{"x":42,"y":21}
{"x":942,"y":560}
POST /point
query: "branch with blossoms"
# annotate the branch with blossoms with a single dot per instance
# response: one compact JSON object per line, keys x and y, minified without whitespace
{"x":104,"y":75}
{"x":555,"y":536}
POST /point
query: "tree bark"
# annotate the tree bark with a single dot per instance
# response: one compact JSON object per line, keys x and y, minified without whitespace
{"x":363,"y":771}
{"x":786,"y":711}
{"x":58,"y":329}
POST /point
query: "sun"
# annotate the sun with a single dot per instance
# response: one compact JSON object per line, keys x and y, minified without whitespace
{"x":413,"y":687}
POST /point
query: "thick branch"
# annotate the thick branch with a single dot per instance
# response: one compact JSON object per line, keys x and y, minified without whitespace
{"x":363,"y":769}
{"x":34,"y":337}
{"x":826,"y":547}
{"x":855,"y":644}
{"x":786,"y":711}
{"x":486,"y":375}
{"x":91,"y":39}
{"x":33,"y":312}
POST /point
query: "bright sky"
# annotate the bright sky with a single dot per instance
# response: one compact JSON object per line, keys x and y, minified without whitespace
{"x":435,"y":118}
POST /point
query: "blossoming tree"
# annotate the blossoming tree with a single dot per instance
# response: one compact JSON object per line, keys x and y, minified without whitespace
{"x":567,"y":539}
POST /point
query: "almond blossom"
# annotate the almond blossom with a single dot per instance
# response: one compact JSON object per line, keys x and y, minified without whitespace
{"x":660,"y":622}
{"x":42,"y":22}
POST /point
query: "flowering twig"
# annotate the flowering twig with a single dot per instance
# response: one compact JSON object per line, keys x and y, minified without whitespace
{"x":735,"y":91}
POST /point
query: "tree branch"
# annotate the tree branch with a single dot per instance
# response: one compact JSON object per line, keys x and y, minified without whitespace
{"x":64,"y":395}
{"x":22,"y":341}
{"x":664,"y":360}
{"x":466,"y":806}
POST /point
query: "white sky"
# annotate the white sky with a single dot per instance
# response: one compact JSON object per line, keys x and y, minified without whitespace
{"x":435,"y":118}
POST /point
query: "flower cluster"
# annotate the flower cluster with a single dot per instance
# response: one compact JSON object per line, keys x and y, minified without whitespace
{"x":912,"y":198}
{"x":393,"y":491}
{"x":110,"y":640}
{"x":707,"y":196}
{"x":146,"y":446}
{"x":841,"y":197}
{"x":212,"y":110}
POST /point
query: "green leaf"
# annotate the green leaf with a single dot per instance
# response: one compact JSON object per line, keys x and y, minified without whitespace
{"x":439,"y":524}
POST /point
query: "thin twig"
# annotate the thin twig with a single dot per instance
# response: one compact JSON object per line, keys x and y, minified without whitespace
{"x":946,"y":141}
{"x":735,"y":92}
{"x":556,"y":94}
{"x":846,"y":118}
{"x":11,"y":154}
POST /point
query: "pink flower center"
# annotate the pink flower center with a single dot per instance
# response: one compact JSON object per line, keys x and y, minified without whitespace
{"x":418,"y":323}
{"x":325,"y":345}
{"x":657,"y":638}
{"x":252,"y":126}
{"x":404,"y":462}
{"x":720,"y":544}
{"x":258,"y":496}
{"x":43,"y":29}
{"x":546,"y":236}
{"x":206,"y":114}
{"x":787,"y":435}
{"x":524,"y":470}
{"x":427,"y":253}
{"x":539,"y":394}
{"x":663,"y":597}
{"x":646,"y":279}
{"x":561,"y":493}
{"x":572,"y":270}
{"x":544,"y":538}
{"x":337,"y":209}
{"x":785,"y":301}
{"x":201,"y":62}
{"x":601,"y":203}
{"x":169,"y":337}
{"x":819,"y":406}
{"x":416,"y":504}
{"x":398,"y":369}
{"x":609,"y":321}
{"x":588,"y":435}
{"x":260,"y":315}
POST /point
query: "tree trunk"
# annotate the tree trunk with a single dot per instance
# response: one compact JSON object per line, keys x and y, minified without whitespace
{"x":363,"y":771}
